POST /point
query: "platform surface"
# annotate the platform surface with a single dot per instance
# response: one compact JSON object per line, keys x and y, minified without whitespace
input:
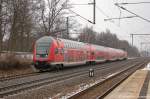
{"x":137,"y":86}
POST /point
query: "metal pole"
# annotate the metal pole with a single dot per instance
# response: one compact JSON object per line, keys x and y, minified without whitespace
{"x":67,"y":24}
{"x":141,"y":46}
{"x":94,"y":11}
{"x":132,"y":38}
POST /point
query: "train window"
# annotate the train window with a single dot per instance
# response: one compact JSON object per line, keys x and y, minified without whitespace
{"x":62,"y":50}
{"x":67,"y":44}
{"x":74,"y":45}
{"x":56,"y":51}
{"x":71,"y":45}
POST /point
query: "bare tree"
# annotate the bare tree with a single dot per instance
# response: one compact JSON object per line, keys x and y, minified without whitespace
{"x":21,"y":14}
{"x":107,"y":39}
{"x":3,"y":21}
{"x":52,"y":11}
{"x":1,"y":35}
{"x":87,"y":35}
{"x":22,"y":21}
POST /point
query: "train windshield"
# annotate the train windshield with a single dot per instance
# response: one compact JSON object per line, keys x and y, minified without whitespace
{"x":43,"y":47}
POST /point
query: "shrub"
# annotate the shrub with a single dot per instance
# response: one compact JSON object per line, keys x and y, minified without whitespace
{"x":12,"y":61}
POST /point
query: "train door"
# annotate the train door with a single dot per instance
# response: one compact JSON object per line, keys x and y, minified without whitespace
{"x":59,"y":52}
{"x":92,"y":53}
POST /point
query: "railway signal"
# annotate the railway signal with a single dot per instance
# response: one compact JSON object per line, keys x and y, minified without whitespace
{"x":91,"y":72}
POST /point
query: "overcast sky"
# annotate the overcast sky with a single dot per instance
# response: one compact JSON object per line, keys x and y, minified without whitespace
{"x":106,"y":8}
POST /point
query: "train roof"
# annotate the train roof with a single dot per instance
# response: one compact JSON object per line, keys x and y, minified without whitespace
{"x":49,"y":39}
{"x":72,"y":44}
{"x":66,"y":40}
{"x":45,"y":39}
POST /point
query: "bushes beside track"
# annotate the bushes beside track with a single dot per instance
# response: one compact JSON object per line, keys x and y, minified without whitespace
{"x":13,"y":61}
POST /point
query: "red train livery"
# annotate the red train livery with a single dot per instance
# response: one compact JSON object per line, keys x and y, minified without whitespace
{"x":56,"y":52}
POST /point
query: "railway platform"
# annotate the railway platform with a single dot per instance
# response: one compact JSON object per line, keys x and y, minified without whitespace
{"x":137,"y":86}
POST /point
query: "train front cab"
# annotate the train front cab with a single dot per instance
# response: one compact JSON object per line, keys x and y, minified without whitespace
{"x":48,"y":53}
{"x":43,"y":53}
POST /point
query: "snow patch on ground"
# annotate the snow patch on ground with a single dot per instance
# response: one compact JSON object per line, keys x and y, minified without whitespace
{"x":82,"y":87}
{"x":132,"y":57}
{"x":147,"y":67}
{"x":111,"y":75}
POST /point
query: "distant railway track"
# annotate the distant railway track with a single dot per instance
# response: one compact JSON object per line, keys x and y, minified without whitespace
{"x":17,"y":76}
{"x":25,"y":85}
{"x":104,"y":87}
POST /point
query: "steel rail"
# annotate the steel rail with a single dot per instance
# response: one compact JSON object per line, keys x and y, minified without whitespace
{"x":2,"y":79}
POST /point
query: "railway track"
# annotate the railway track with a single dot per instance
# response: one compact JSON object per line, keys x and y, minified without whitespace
{"x":36,"y":73}
{"x":102,"y":88}
{"x":2,"y":79}
{"x":17,"y":76}
{"x":15,"y":88}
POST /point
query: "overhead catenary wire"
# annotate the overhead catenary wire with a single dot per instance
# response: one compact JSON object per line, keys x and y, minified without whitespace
{"x":134,"y":3}
{"x":100,"y":10}
{"x":107,"y":16}
{"x":119,"y":18}
{"x":94,"y":11}
{"x":79,"y":4}
{"x":80,"y":16}
{"x":123,"y":8}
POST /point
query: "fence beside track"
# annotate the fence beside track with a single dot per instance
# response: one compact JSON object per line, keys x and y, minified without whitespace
{"x":27,"y":55}
{"x":14,"y":60}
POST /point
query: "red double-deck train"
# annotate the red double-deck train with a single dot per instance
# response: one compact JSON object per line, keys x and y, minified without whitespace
{"x":56,"y":52}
